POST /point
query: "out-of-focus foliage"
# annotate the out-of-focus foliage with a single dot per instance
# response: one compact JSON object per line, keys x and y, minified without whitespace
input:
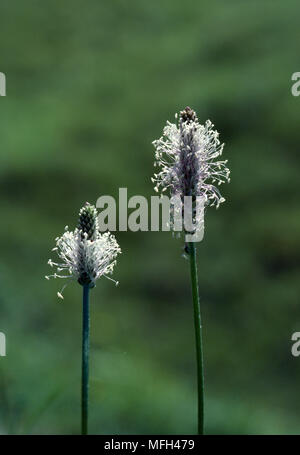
{"x":89,"y":85}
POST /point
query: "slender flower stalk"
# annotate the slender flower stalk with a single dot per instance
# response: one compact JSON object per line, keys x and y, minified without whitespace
{"x":85,"y":358}
{"x":85,"y":255}
{"x":198,"y":335}
{"x":186,"y":158}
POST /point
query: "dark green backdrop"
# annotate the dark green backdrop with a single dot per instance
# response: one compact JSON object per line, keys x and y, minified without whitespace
{"x":89,"y":85}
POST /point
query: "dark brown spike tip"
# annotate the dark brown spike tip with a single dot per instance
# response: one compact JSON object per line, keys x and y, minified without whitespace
{"x":188,"y":115}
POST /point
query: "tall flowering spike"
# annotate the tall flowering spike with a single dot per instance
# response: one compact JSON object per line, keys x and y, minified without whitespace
{"x":186,"y":156}
{"x":85,"y":254}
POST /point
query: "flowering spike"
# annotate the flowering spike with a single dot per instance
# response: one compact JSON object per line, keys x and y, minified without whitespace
{"x":188,"y":115}
{"x":186,"y":156}
{"x":85,"y":254}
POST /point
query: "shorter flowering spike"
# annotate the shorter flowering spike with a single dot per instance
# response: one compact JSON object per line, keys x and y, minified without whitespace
{"x":85,"y":254}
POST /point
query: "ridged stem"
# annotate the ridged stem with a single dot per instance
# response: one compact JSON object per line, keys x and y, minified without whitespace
{"x":198,"y":335}
{"x":85,"y":359}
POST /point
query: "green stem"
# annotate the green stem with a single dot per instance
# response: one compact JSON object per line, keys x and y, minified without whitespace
{"x":85,"y":359}
{"x":198,"y":335}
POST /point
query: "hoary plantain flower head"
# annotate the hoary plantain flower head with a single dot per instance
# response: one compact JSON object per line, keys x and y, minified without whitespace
{"x":187,"y":159}
{"x":85,"y":254}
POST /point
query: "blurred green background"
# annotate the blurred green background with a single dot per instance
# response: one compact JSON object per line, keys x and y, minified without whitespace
{"x":89,"y":86}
